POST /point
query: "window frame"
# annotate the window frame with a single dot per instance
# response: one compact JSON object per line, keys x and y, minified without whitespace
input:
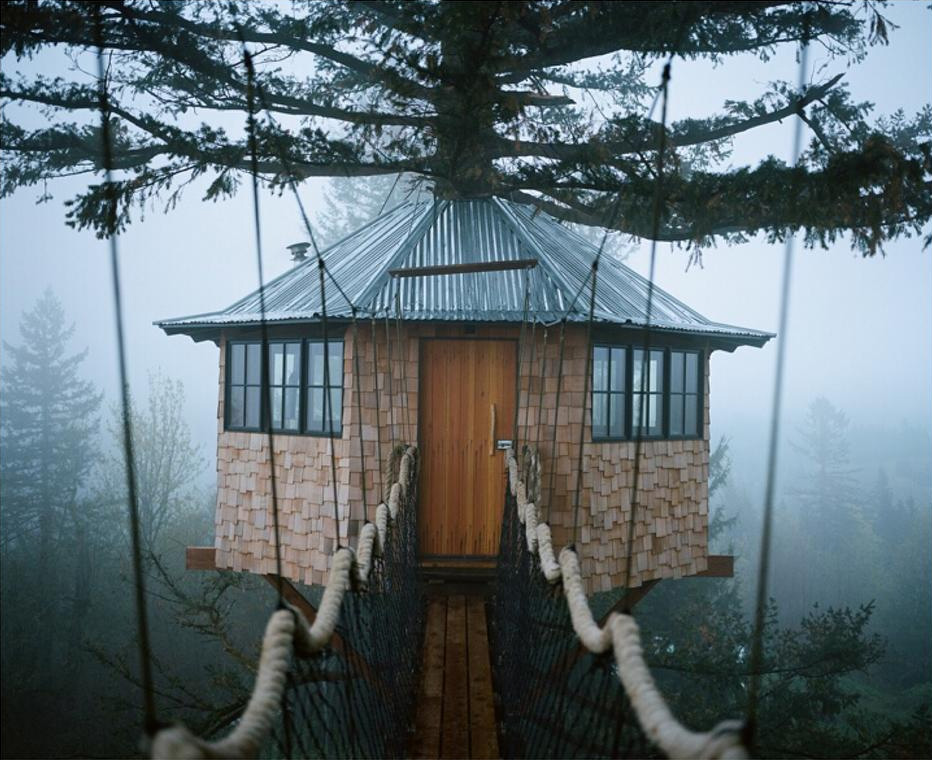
{"x":666,"y":395}
{"x":661,"y":394}
{"x":306,"y":388}
{"x":684,"y":394}
{"x":228,"y":385}
{"x":266,"y":386}
{"x":625,"y":393}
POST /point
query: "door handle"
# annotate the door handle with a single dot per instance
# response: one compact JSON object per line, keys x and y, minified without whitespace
{"x":492,"y":432}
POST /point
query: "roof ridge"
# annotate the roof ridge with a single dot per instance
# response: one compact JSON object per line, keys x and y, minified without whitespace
{"x":543,"y":259}
{"x":414,"y":235}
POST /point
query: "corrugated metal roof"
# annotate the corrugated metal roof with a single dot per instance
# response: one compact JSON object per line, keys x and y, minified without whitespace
{"x":459,"y":232}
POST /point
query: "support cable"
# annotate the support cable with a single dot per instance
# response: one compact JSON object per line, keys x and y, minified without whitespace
{"x":521,"y":347}
{"x":645,"y":355}
{"x":760,"y":608}
{"x":556,"y":418}
{"x":540,"y":389}
{"x":265,"y":403}
{"x":532,"y":361}
{"x":585,"y":401}
{"x":402,"y":351}
{"x":357,"y":392}
{"x":391,"y":384}
{"x":378,"y":409}
{"x":328,"y":400}
{"x":151,"y":724}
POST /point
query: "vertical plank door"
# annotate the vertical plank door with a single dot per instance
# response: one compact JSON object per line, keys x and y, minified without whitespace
{"x":462,"y":484}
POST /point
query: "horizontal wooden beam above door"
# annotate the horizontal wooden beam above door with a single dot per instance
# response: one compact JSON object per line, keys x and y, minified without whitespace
{"x":475,"y":266}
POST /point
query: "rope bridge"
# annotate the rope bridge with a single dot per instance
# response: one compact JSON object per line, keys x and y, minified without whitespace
{"x":344,"y":684}
{"x":570,"y":688}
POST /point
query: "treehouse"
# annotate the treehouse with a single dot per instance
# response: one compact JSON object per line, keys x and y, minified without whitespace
{"x":468,"y":323}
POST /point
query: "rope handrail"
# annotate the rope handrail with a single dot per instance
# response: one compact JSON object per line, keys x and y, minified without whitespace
{"x":621,"y":635}
{"x":289,"y":633}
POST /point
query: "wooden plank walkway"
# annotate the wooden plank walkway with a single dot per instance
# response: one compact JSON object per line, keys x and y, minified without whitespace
{"x":455,"y":709}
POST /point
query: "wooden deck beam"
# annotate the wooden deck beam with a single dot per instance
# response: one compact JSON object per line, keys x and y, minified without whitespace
{"x":204,"y":558}
{"x":200,"y":558}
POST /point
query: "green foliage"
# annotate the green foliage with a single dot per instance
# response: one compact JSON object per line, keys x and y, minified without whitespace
{"x":541,"y":101}
{"x":823,"y":669}
{"x":70,"y":660}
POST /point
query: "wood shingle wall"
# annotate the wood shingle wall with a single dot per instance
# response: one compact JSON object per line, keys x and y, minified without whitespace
{"x":671,"y":531}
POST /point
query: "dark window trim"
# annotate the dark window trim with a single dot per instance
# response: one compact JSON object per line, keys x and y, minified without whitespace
{"x":326,"y":386}
{"x":228,"y":386}
{"x":626,"y":422}
{"x":699,"y":394}
{"x":265,"y":387}
{"x":665,"y":394}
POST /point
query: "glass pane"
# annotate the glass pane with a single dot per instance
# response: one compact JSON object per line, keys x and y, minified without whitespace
{"x":253,"y":370}
{"x":618,"y":369}
{"x":599,"y":415}
{"x":676,"y":372}
{"x":292,"y":364}
{"x":691,"y":425}
{"x":655,"y":414}
{"x":638,"y":405}
{"x":275,"y":402}
{"x":315,"y":410}
{"x":291,"y":409}
{"x":276,"y":362}
{"x":692,"y":373}
{"x":315,"y":363}
{"x":599,"y":369}
{"x":235,"y":412}
{"x":252,"y":407}
{"x":336,"y":399}
{"x":336,"y":363}
{"x":237,"y":363}
{"x":676,"y":414}
{"x":636,"y":368}
{"x":651,"y":375}
{"x":616,"y":425}
{"x":656,"y":371}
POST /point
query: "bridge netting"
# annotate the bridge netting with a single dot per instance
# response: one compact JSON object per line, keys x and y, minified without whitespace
{"x":569,"y":686}
{"x":344,"y":684}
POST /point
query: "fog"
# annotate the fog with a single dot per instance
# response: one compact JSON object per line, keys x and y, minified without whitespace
{"x":859,"y":334}
{"x":860,"y":329}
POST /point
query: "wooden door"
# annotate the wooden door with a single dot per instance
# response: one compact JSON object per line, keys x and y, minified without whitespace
{"x":467,"y":390}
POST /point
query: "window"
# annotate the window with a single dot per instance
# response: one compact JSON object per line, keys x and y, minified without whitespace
{"x":284,"y":385}
{"x":295,"y":386}
{"x":317,"y":410}
{"x":664,"y":386}
{"x":608,"y":392}
{"x":647,"y":393}
{"x":245,"y":383}
{"x":684,"y":393}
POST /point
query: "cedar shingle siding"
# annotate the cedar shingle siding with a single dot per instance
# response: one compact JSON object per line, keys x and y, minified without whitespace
{"x":671,"y":534}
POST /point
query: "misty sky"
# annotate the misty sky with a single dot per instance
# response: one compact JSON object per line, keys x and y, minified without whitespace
{"x":860,"y":331}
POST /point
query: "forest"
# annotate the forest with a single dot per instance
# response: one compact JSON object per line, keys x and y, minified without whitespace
{"x":848,"y":668}
{"x":143,"y":124}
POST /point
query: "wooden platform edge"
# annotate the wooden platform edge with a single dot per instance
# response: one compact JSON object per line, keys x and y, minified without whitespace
{"x":200,"y":558}
{"x":719,"y":566}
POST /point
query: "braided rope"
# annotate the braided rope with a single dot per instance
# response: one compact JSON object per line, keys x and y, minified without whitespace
{"x":287,"y":632}
{"x":621,"y":635}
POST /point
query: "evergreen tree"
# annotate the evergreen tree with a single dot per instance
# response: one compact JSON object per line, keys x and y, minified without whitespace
{"x":351,"y":202}
{"x":697,"y":637}
{"x":47,"y":434}
{"x":48,"y":424}
{"x":546,"y":102}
